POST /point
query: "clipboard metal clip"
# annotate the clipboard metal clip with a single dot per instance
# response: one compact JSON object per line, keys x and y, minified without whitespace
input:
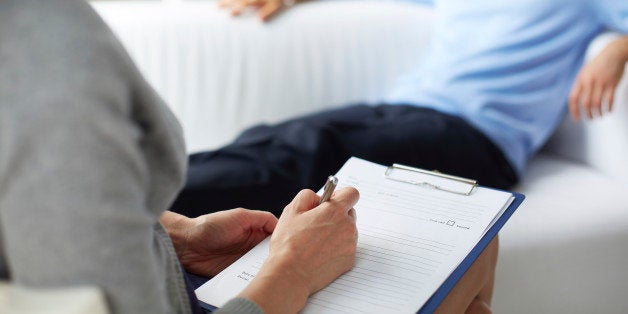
{"x":442,"y":182}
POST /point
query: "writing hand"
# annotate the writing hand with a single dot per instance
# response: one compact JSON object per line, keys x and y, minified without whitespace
{"x":311,"y":246}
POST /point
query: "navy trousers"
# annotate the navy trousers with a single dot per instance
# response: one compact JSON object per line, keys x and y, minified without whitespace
{"x":268,"y":164}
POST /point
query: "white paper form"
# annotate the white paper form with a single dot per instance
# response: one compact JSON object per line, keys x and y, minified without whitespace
{"x":410,"y":240}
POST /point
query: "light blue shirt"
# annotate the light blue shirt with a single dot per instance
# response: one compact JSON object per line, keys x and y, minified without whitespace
{"x":507,"y":67}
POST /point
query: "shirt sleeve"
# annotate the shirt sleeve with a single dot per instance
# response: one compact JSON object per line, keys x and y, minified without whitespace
{"x":613,"y":14}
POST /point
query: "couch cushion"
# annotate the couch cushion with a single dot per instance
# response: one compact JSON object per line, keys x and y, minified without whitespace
{"x":565,"y":247}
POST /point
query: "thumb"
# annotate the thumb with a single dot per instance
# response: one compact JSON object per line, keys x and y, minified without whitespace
{"x":262,"y":220}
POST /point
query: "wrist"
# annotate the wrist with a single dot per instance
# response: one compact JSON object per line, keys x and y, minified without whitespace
{"x":620,"y":46}
{"x":178,"y":227}
{"x":277,"y":288}
{"x":624,"y":49}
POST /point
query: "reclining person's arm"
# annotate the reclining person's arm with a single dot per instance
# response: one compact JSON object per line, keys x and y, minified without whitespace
{"x":597,"y":80}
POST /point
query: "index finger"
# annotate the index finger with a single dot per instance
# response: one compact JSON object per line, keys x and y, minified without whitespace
{"x":344,"y":199}
{"x":304,"y":201}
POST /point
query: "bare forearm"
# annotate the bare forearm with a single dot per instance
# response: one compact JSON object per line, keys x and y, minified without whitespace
{"x":173,"y":222}
{"x":177,"y":226}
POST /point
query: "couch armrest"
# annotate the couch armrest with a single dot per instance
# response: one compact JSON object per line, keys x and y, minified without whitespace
{"x":221,"y":74}
{"x":69,"y":300}
{"x":601,"y":143}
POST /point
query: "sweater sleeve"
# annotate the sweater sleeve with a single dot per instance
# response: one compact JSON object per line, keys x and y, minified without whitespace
{"x":80,"y":190}
{"x":239,"y":306}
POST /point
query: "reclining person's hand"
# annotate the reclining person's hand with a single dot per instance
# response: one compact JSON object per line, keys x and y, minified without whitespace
{"x":597,"y":80}
{"x":265,"y":8}
{"x":311,"y":246}
{"x":208,"y":244}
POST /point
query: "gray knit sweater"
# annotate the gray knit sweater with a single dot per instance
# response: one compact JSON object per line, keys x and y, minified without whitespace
{"x":89,"y":158}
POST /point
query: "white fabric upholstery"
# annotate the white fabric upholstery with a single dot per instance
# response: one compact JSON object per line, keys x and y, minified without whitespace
{"x":221,"y":74}
{"x":15,"y":299}
{"x":563,"y":252}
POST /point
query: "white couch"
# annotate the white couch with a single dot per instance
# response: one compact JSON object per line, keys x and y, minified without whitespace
{"x":564,"y":251}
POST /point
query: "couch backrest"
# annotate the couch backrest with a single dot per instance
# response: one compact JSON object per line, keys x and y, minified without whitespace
{"x":221,"y":74}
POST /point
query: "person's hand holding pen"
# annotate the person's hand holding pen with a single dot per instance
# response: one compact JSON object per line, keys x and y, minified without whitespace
{"x":311,"y":246}
{"x":313,"y":242}
{"x":266,"y":9}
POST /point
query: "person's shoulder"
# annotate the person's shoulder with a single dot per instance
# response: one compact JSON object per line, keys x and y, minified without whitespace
{"x":612,"y":14}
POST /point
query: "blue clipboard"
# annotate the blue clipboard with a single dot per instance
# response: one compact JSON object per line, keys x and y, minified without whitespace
{"x":435,"y":300}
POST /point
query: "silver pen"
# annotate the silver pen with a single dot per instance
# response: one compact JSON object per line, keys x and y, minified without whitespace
{"x":330,"y":185}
